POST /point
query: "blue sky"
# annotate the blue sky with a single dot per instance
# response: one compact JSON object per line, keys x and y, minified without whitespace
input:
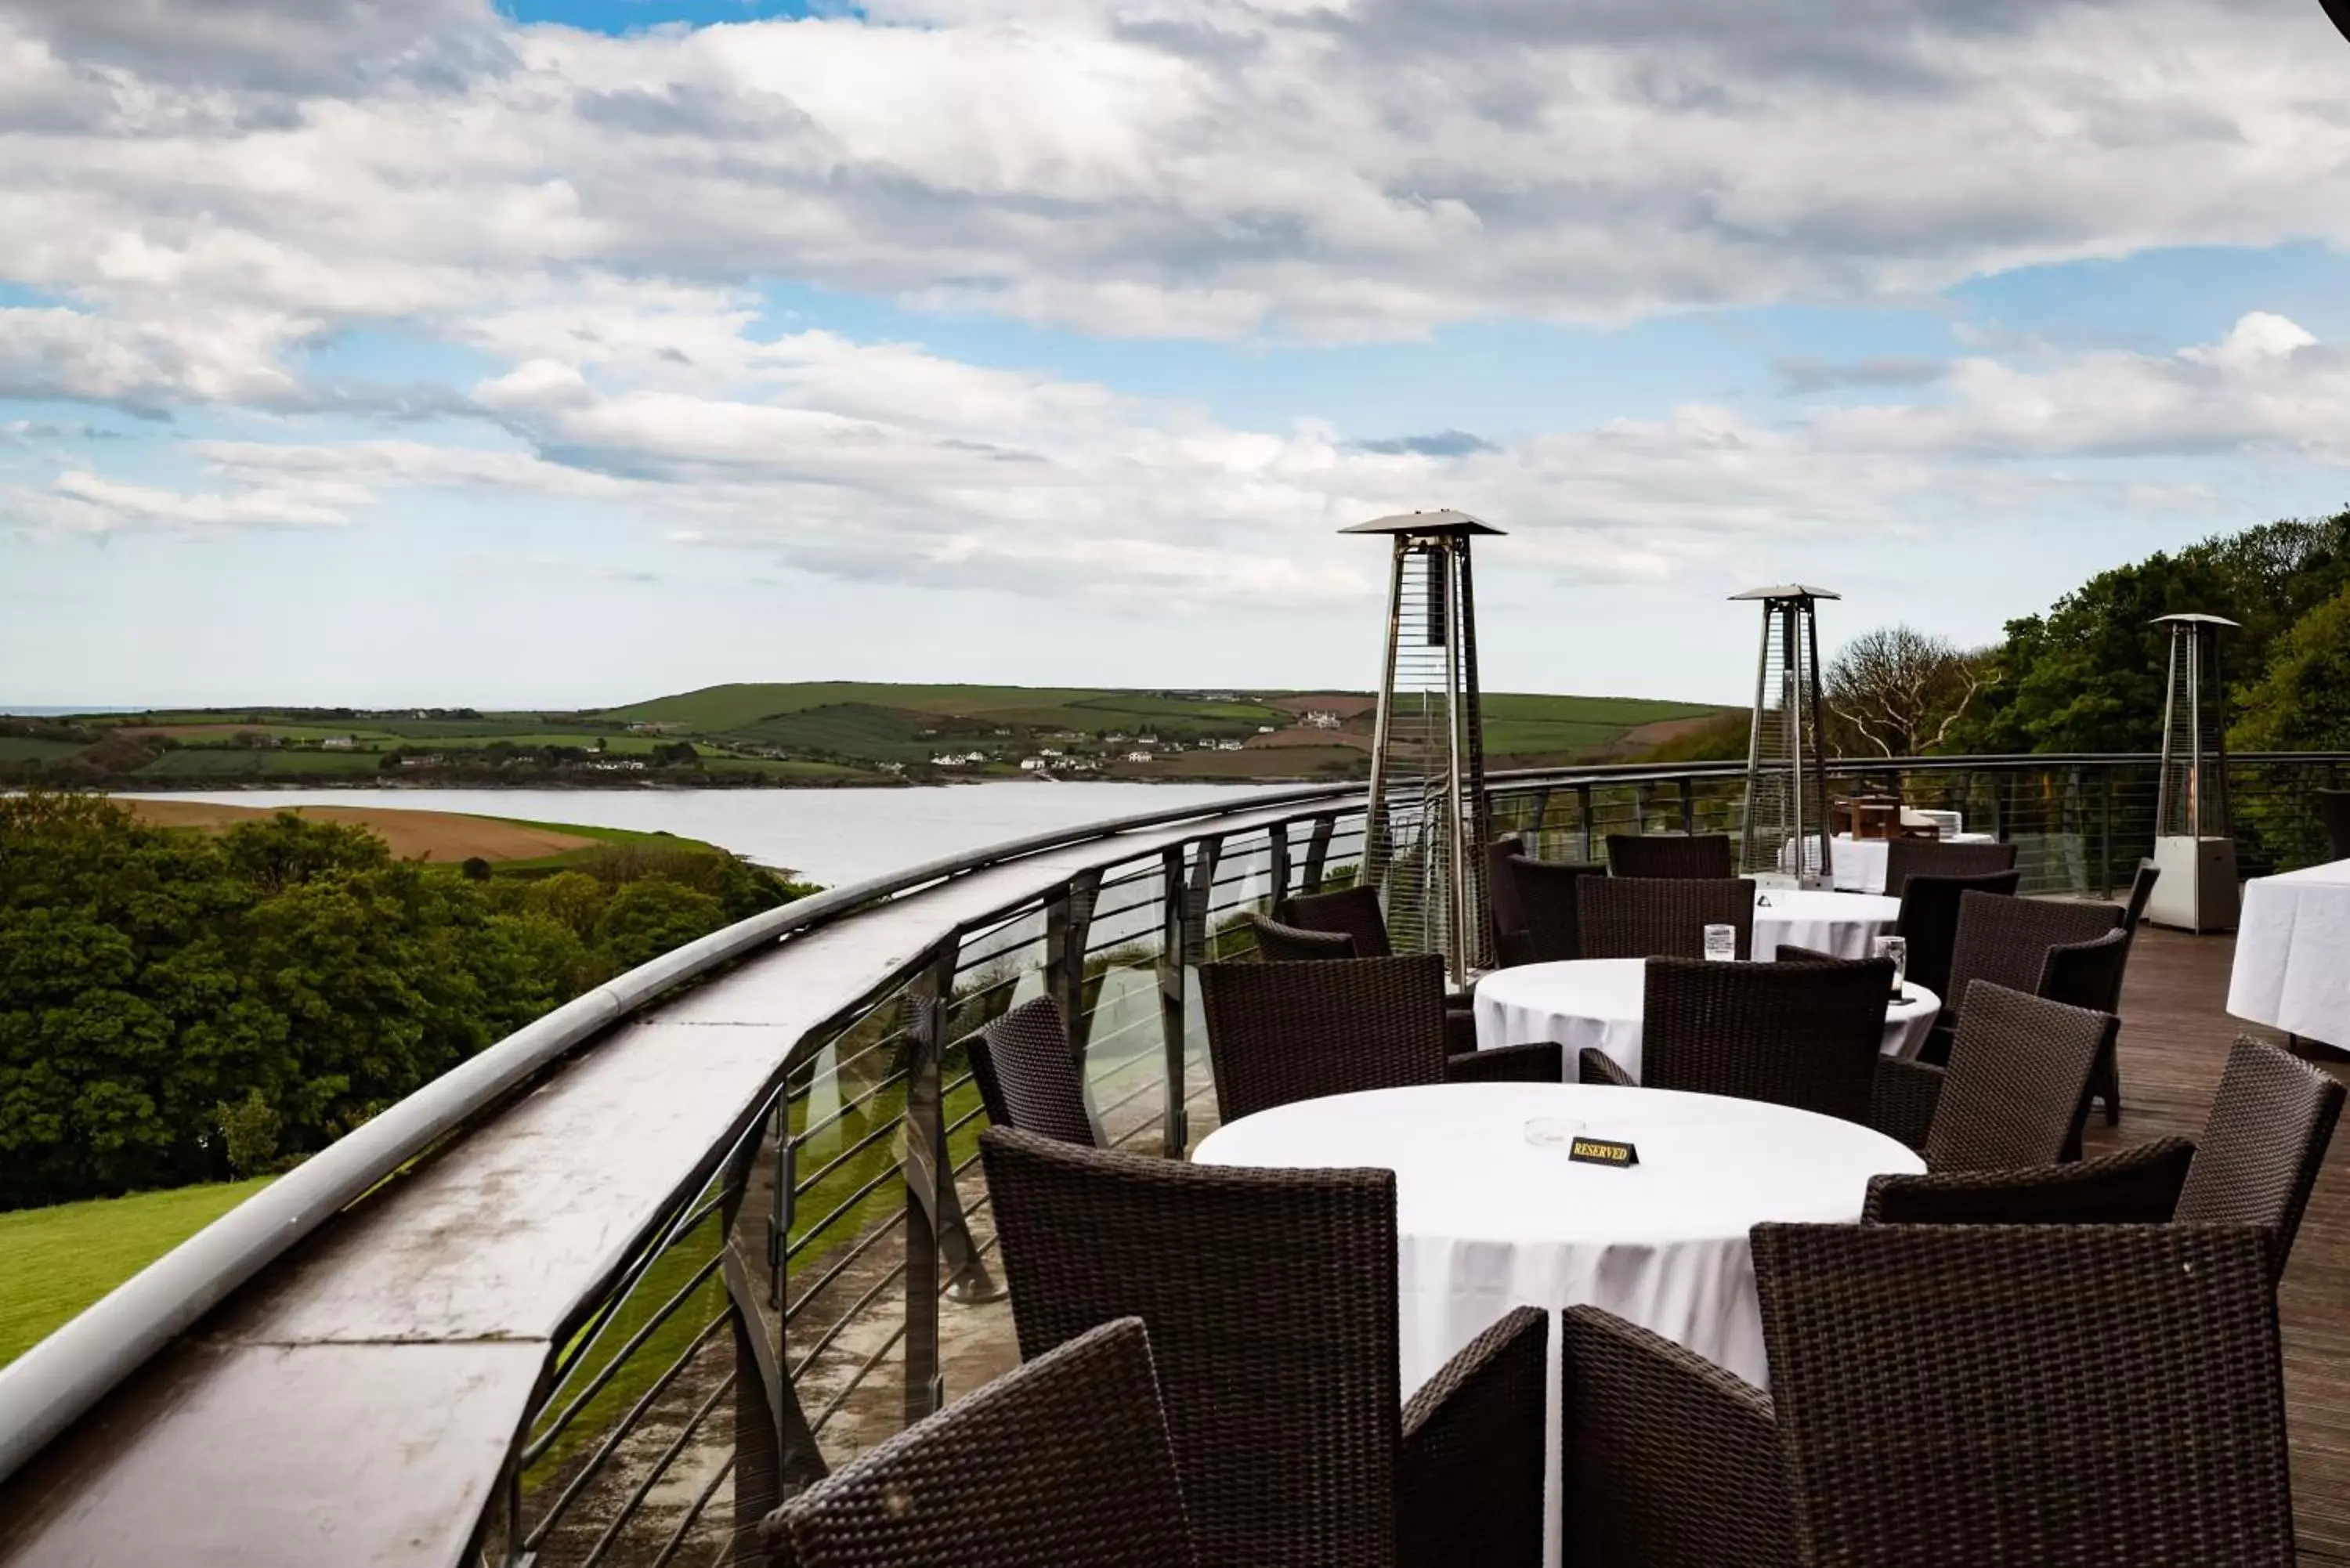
{"x":554,"y":353}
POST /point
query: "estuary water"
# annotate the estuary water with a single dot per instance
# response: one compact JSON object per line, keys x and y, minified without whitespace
{"x":828,"y":835}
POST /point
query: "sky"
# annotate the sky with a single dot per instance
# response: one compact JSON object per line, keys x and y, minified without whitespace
{"x":570,"y":352}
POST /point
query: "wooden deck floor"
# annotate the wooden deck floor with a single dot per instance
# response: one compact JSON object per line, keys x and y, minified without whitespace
{"x":2175,"y":1035}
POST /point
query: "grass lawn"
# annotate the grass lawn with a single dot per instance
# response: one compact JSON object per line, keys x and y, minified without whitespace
{"x":62,"y":1259}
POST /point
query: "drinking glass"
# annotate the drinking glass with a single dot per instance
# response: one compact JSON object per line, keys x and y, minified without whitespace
{"x":1552,"y":1132}
{"x":1720,"y":943}
{"x":1898,"y":950}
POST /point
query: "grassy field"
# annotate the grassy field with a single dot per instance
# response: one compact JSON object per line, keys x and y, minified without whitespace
{"x":61,"y":1260}
{"x":21,"y":748}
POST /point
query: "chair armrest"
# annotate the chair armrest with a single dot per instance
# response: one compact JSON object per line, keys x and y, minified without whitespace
{"x":1460,"y":1030}
{"x":1597,"y":1067}
{"x":1473,"y":1467}
{"x":2137,"y":1187}
{"x":1902,"y":1101}
{"x":1665,"y":1457}
{"x":1544,"y":1062}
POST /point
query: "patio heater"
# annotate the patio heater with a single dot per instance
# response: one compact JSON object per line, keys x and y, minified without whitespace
{"x":1429,"y":820}
{"x":2193,"y":848}
{"x":1786,"y":829}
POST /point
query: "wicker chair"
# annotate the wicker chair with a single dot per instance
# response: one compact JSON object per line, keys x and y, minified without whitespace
{"x":2141,"y":889}
{"x":1353,"y":911}
{"x":2334,"y":811}
{"x":2006,"y":942}
{"x":1277,"y":943}
{"x":1907,"y":858}
{"x":1669,"y":1462}
{"x":1801,"y":1034}
{"x":1705,"y":857}
{"x":1505,"y":915}
{"x":1929,"y":922}
{"x":1271,"y":1298}
{"x":2012,"y":1096}
{"x":1789,"y":952}
{"x":2009,"y":1397}
{"x":2089,"y":974}
{"x":1026,"y":1070}
{"x":2137,"y":1187}
{"x":1065,"y":1459}
{"x":1651,"y":916}
{"x":2263,"y":1143}
{"x":1545,"y":892}
{"x":1285,"y":1032}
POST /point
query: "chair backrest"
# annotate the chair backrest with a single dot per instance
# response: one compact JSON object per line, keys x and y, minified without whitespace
{"x":1354,"y":911}
{"x":2018,"y":1080}
{"x":1284,"y":1032}
{"x":2137,"y":1187}
{"x":1065,"y":1459}
{"x":2141,"y":889}
{"x":1698,"y":854}
{"x":2007,"y":1397}
{"x":1907,"y":858}
{"x":2006,"y":941}
{"x":2087,"y":974}
{"x":1277,"y":943}
{"x":1660,"y":917}
{"x":1929,"y":922}
{"x":1801,"y":1034}
{"x":1505,"y":918}
{"x":2263,"y":1142}
{"x":2334,"y":811}
{"x":1545,"y":892}
{"x":1669,"y":1460}
{"x":1027,"y":1073}
{"x":1271,"y":1300}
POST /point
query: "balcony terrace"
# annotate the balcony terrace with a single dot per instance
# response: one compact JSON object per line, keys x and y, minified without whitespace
{"x":604,"y":1293}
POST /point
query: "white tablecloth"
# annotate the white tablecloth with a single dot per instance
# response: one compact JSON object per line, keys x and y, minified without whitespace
{"x":1844,"y":925}
{"x":2293,"y":953}
{"x":1860,"y":862}
{"x":1598,"y":1003}
{"x":1487,"y":1221}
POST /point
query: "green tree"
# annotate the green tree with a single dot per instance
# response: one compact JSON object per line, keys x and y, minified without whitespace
{"x":646,"y":920}
{"x":2301,"y":703}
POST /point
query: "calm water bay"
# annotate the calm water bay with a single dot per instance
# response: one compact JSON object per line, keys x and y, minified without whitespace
{"x":830,"y":836}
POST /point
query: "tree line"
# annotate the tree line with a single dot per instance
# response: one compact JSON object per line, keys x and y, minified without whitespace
{"x":177,"y":1007}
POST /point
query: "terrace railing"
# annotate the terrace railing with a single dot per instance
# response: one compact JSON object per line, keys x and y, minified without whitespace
{"x":607,"y":1291}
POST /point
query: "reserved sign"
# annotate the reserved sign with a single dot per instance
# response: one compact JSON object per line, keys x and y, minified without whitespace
{"x":1602,"y":1152}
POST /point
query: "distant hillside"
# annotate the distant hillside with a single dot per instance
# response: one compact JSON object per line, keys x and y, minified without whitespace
{"x":806,"y":734}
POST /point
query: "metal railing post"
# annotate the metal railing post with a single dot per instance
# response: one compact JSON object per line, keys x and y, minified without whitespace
{"x":1583,"y":817}
{"x":1317,"y":852}
{"x":1068,"y":923}
{"x":924,"y":1162}
{"x":1173,"y":894}
{"x":1689,"y":805}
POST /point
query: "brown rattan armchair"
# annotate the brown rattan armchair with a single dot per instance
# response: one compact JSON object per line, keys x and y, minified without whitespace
{"x":1547,"y":897}
{"x":1701,"y":855}
{"x":1271,"y":1298}
{"x":1026,"y":1070}
{"x":1505,"y":915}
{"x":2009,"y":1397}
{"x":2089,"y":974}
{"x":2012,"y":1095}
{"x":1062,"y":1460}
{"x":1669,"y":1460}
{"x":1285,"y":1032}
{"x":2006,"y":942}
{"x":1660,"y":917}
{"x":1278,"y":943}
{"x":2263,"y":1143}
{"x":1801,"y":1034}
{"x":1907,"y":858}
{"x":2137,"y":1187}
{"x":1355,"y":911}
{"x":1929,"y":922}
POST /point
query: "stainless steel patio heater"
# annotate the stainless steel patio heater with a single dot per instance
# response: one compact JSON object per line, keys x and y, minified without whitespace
{"x":2193,"y":848}
{"x":1429,"y":819}
{"x":1786,"y":829}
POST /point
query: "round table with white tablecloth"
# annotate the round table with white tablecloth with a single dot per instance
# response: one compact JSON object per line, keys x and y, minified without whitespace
{"x":1598,"y":1003}
{"x":1487,"y":1221}
{"x":1842,"y":925}
{"x":2292,"y":968}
